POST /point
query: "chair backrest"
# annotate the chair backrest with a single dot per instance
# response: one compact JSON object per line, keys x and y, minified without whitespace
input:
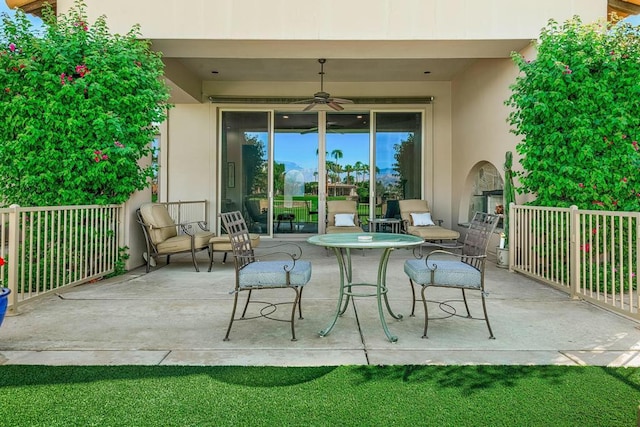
{"x":238,"y":232}
{"x":476,"y":240}
{"x":393,"y":209}
{"x":407,"y":207}
{"x":341,"y":206}
{"x":158,"y":222}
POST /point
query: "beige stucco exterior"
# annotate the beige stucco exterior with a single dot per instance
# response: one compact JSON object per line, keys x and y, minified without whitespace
{"x":470,"y":42}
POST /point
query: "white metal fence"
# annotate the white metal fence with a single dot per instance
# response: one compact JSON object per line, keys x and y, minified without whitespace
{"x":594,"y":255}
{"x":47,"y":248}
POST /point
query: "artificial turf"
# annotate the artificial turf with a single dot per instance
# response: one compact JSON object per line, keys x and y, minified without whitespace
{"x":318,"y":396}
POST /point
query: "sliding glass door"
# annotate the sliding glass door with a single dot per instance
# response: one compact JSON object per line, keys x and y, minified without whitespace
{"x":280,"y":168}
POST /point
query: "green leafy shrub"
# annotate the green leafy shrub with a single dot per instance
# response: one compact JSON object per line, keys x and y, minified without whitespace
{"x":576,"y":106}
{"x":79,"y":108}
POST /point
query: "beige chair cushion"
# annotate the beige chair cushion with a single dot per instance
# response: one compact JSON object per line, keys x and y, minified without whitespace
{"x":426,"y":232}
{"x":162,"y":227}
{"x":433,"y":232}
{"x":341,"y":207}
{"x":223,"y":244}
{"x":175,"y":244}
{"x":334,"y":229}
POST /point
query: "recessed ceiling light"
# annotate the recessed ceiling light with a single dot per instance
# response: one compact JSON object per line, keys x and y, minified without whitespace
{"x":285,"y":117}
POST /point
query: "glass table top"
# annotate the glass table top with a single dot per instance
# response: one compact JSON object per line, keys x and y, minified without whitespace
{"x":365,"y":240}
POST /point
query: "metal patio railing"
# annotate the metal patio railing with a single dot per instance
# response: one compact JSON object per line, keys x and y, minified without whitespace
{"x":593,"y":255}
{"x":47,"y":248}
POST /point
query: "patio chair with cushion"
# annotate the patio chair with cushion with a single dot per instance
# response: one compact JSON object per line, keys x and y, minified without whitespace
{"x":253,"y":274}
{"x":162,"y":237}
{"x":342,"y":217}
{"x":464,"y":271}
{"x":417,"y":220}
{"x":223,"y":244}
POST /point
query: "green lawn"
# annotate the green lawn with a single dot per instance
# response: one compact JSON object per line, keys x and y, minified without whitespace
{"x":325,"y":396}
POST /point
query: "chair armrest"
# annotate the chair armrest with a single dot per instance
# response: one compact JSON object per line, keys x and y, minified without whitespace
{"x":188,"y":227}
{"x":252,"y":256}
{"x":453,"y":254}
{"x":295,"y":254}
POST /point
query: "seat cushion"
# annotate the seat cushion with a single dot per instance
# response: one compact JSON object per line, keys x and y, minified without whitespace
{"x":271,"y":273}
{"x":179,"y":243}
{"x":223,"y":244}
{"x":447,"y":273}
{"x":433,"y":232}
{"x":202,"y":238}
{"x":335,"y":229}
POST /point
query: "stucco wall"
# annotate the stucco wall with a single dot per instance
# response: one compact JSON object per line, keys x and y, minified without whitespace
{"x":338,"y":19}
{"x":189,"y":154}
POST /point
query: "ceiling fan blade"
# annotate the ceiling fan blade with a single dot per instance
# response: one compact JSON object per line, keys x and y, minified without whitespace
{"x":304,"y":101}
{"x":309,"y":107}
{"x":342,"y":101}
{"x":335,"y":106}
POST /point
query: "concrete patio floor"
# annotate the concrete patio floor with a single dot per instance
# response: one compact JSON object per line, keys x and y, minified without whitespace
{"x":176,"y":316}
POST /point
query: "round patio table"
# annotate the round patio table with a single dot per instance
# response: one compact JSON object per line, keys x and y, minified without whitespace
{"x":342,"y":243}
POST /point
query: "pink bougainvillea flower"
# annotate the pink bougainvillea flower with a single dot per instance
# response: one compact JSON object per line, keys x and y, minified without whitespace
{"x":594,"y":231}
{"x":97,"y":152}
{"x":97,"y":159}
{"x":105,"y":157}
{"x":624,"y":179}
{"x":635,"y":145}
{"x":598,"y":202}
{"x":586,"y":247}
{"x":12,"y":47}
{"x":567,"y":70}
{"x":1,"y":261}
{"x":581,"y":185}
{"x":118,"y":144}
{"x":81,"y":70}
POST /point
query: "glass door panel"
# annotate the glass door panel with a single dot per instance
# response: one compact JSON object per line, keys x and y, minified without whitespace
{"x":347,"y":159}
{"x":398,"y":160}
{"x":244,"y":167}
{"x":295,"y":173}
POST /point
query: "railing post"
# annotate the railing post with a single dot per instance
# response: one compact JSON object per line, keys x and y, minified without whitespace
{"x":574,"y":244}
{"x":511,"y":236}
{"x":12,"y":277}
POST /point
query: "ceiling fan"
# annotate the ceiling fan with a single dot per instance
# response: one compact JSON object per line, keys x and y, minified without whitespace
{"x":322,"y":97}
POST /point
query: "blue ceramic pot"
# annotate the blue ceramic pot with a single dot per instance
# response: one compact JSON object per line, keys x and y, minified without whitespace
{"x":4,"y":301}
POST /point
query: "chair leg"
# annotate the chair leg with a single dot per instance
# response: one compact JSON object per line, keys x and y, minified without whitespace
{"x":486,"y":317}
{"x":464,"y":297}
{"x":300,"y":304}
{"x":293,"y":313}
{"x":426,"y":313}
{"x":233,"y":315}
{"x":413,"y":299}
{"x":193,"y":257}
{"x":246,"y":304}
{"x":210,"y":258}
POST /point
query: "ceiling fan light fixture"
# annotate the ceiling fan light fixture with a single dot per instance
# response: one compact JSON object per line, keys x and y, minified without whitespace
{"x":324,"y":98}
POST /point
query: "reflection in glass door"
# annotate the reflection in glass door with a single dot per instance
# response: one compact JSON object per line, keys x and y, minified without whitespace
{"x":317,"y":156}
{"x":244,"y":167}
{"x":295,"y":173}
{"x":398,"y":160}
{"x":347,"y":159}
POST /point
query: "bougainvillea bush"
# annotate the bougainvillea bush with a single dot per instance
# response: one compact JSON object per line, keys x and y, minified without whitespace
{"x":577,"y":108}
{"x":78,"y":107}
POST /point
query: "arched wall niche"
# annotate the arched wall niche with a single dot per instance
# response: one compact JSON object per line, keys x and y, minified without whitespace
{"x":483,"y":191}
